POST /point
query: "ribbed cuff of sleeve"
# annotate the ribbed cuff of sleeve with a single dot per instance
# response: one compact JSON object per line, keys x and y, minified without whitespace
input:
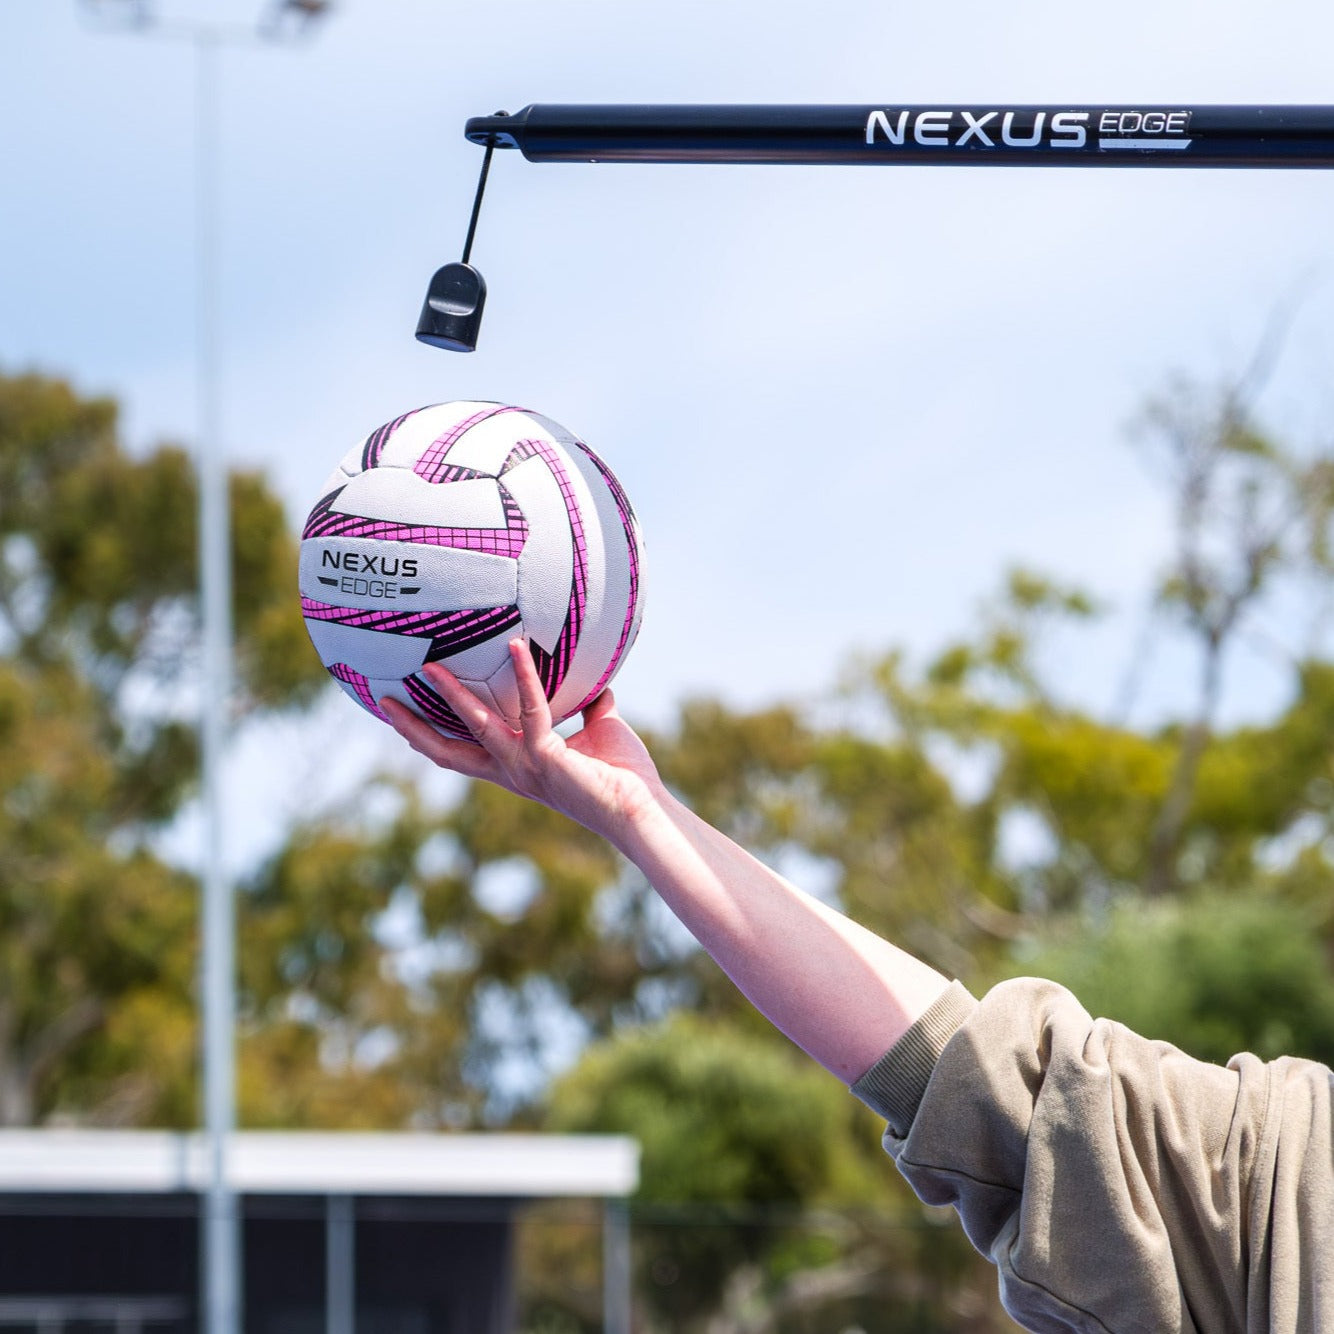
{"x":895,"y":1084}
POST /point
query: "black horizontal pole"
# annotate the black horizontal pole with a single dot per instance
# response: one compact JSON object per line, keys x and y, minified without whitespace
{"x":1058,"y":135}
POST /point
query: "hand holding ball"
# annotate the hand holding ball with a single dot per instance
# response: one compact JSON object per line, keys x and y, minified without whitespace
{"x":451,"y":530}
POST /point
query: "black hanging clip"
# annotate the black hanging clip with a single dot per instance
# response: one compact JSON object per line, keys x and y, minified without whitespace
{"x":452,"y":312}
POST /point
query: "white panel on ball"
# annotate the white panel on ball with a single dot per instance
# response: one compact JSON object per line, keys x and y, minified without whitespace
{"x":369,"y":651}
{"x":335,"y":481}
{"x":562,"y":435}
{"x":400,"y":496}
{"x":480,"y":661}
{"x":391,"y":688}
{"x":489,"y":443}
{"x":603,"y":630}
{"x":482,"y":691}
{"x":451,"y":578}
{"x":407,"y":443}
{"x":505,"y":691}
{"x":546,"y":564}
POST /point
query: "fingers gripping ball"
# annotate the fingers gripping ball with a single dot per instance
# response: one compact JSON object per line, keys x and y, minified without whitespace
{"x":451,"y":530}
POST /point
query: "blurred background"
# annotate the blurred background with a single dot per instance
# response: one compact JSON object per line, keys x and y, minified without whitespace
{"x":988,"y":596}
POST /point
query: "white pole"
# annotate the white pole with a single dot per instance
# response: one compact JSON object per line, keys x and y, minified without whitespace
{"x":220,"y":1239}
{"x":220,"y":1258}
{"x":340,"y":1265}
{"x":616,"y":1271}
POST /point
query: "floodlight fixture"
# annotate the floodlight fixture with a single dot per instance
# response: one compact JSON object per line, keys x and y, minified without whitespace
{"x":279,"y":21}
{"x":118,"y":15}
{"x":293,"y":19}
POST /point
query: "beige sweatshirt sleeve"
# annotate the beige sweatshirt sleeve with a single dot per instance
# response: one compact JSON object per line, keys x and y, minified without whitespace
{"x":1117,"y":1184}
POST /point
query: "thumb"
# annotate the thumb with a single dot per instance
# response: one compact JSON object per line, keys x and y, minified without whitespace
{"x":602,"y":707}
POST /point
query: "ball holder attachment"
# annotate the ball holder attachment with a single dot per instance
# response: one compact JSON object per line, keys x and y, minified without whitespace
{"x":452,"y":312}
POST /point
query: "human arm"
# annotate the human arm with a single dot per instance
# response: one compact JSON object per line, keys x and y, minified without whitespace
{"x":1116,"y":1184}
{"x":839,"y":991}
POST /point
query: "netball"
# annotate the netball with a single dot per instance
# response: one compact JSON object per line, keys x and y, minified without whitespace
{"x":453,"y":529}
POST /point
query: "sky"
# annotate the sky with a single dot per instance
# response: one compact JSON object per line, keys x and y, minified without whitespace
{"x":842,"y":400}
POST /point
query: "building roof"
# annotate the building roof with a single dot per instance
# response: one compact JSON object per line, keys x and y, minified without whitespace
{"x":299,"y":1163}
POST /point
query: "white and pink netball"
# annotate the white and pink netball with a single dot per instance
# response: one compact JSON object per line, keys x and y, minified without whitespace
{"x":450,"y":531}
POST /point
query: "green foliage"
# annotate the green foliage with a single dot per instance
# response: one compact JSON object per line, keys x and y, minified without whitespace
{"x":1212,"y":974}
{"x":400,"y":963}
{"x":98,"y":663}
{"x":94,"y":937}
{"x":741,"y":1139}
{"x":721,"y":1116}
{"x":1098,"y":788}
{"x":733,"y":768}
{"x":274,"y":663}
{"x":317,"y":998}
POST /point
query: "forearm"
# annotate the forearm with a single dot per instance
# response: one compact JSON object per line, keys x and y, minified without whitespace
{"x":836,"y":989}
{"x":839,"y":991}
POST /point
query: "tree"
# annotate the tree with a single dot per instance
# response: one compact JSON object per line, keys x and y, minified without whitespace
{"x":436,"y":966}
{"x":1249,"y":514}
{"x":1214,"y":974}
{"x":765,"y":1201}
{"x":98,"y":631}
{"x":95,"y":941}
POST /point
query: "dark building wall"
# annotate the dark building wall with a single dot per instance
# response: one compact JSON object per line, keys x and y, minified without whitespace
{"x":284,"y":1248}
{"x":457,"y":1268}
{"x":85,"y":1246}
{"x":422,"y":1266}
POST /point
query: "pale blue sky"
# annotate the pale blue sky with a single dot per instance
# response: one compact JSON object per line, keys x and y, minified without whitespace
{"x":842,"y":400}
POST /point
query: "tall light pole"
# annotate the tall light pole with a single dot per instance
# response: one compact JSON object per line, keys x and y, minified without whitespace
{"x":220,"y":1232}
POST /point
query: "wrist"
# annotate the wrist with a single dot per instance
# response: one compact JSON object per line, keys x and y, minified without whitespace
{"x":642,"y":816}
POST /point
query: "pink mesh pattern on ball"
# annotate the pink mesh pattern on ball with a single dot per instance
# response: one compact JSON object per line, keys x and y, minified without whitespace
{"x":552,"y":666}
{"x":325,"y":521}
{"x":377,"y":440}
{"x":340,"y":671}
{"x":452,"y":473}
{"x":450,"y":631}
{"x":434,"y":708}
{"x":321,"y":514}
{"x":630,"y":524}
{"x":430,"y":463}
